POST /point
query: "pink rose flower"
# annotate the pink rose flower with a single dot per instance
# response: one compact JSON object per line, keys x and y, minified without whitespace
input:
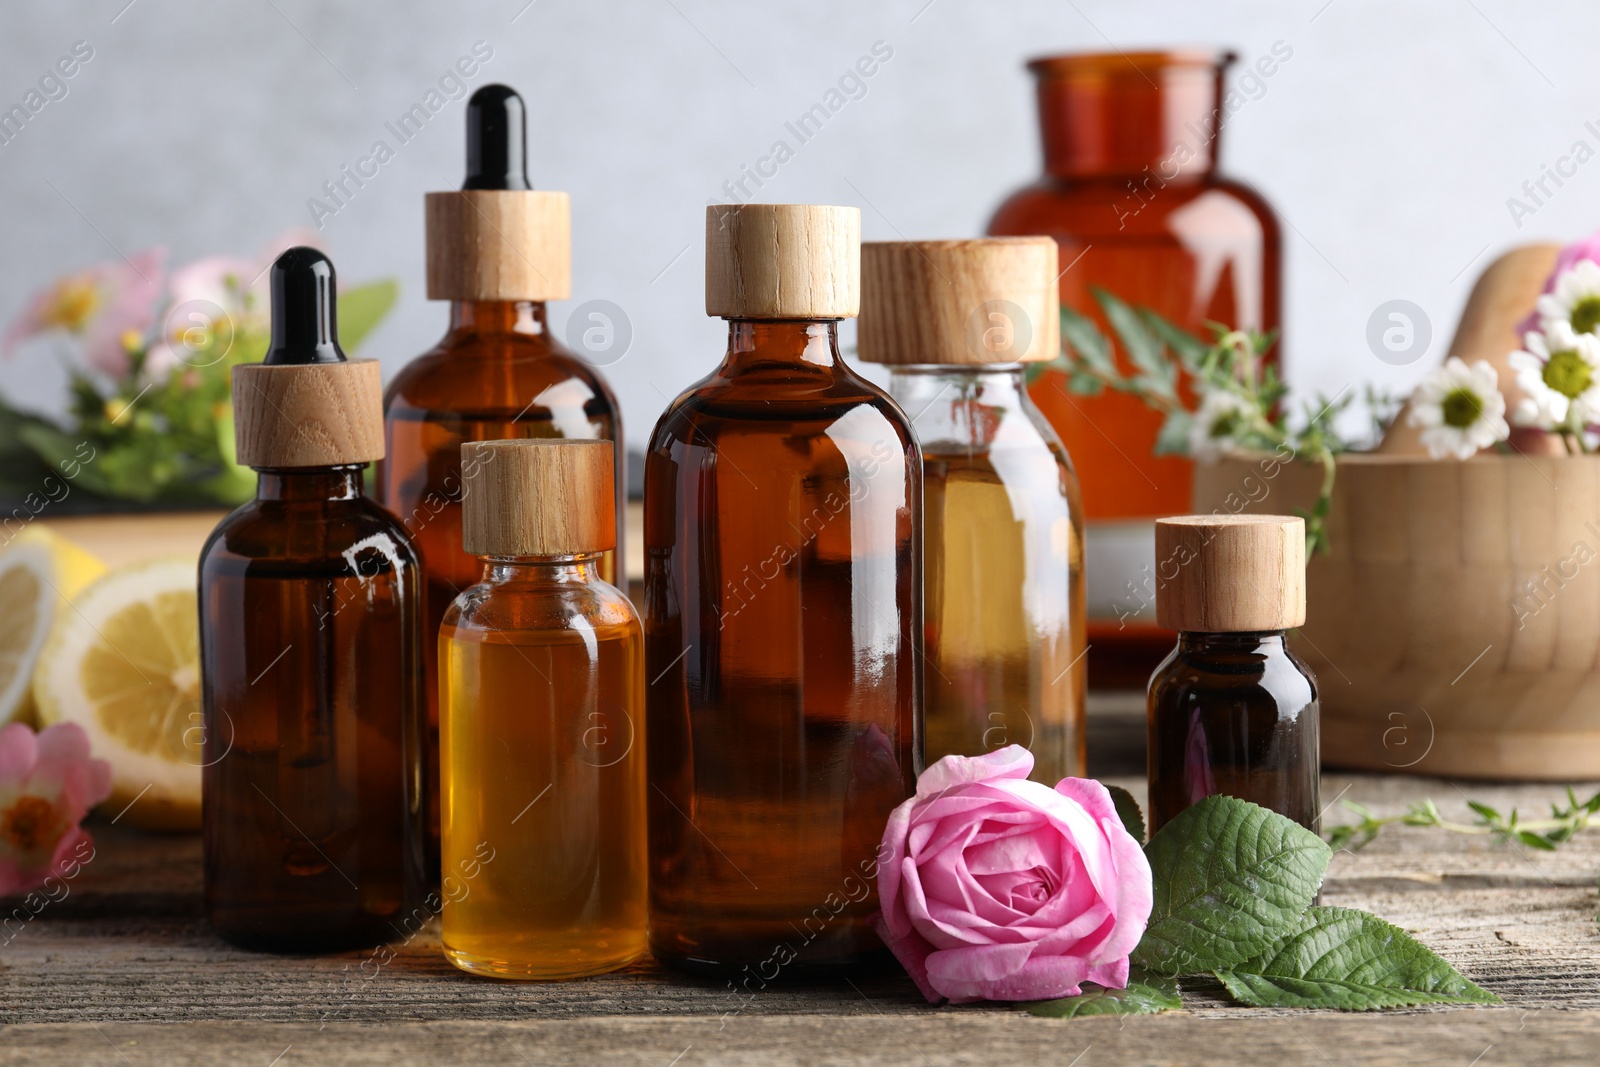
{"x":48,"y":783}
{"x":997,"y":888}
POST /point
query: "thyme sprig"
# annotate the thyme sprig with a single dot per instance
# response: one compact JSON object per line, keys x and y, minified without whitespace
{"x":1565,"y":822}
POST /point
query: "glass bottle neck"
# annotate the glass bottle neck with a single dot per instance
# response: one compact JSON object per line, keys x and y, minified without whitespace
{"x":309,"y":483}
{"x":564,"y":570}
{"x":968,"y":404}
{"x":1258,"y":641}
{"x":526,"y":317}
{"x":809,"y":343}
{"x":1109,"y":115}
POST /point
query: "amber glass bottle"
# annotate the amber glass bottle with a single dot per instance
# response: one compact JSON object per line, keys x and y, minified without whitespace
{"x":541,"y":723}
{"x":783,"y":597}
{"x":310,"y":655}
{"x":496,"y":250}
{"x":1232,"y":710}
{"x":1132,"y":194}
{"x":957,"y":321}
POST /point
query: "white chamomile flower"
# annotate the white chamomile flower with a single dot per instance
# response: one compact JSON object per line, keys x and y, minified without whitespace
{"x":1459,"y":409}
{"x":1217,"y":423}
{"x":1574,"y":299}
{"x":1559,"y":374}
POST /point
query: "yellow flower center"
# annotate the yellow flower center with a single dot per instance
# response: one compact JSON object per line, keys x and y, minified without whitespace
{"x":1568,"y":373}
{"x":1461,"y":408}
{"x":29,"y":824}
{"x":1586,"y":314}
{"x":71,"y":306}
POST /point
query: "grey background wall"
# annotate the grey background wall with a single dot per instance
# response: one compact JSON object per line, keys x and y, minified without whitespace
{"x":1391,"y":141}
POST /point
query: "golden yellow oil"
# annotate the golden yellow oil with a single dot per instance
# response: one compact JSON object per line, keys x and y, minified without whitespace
{"x":1004,"y":602}
{"x":542,"y":745}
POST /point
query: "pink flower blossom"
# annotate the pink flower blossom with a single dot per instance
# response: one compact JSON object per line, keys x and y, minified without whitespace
{"x":1578,"y":251}
{"x":101,"y":305}
{"x":48,"y":783}
{"x":997,"y":888}
{"x":209,"y":301}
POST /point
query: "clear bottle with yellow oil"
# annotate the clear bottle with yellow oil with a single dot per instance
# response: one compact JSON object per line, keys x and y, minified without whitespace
{"x":541,"y":729}
{"x":958,"y":322}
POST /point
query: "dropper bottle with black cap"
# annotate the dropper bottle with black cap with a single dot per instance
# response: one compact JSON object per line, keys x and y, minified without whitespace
{"x":310,"y":620}
{"x":497,"y":250}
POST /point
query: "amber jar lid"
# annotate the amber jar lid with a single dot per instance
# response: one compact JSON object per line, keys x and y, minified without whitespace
{"x":967,"y":302}
{"x":538,"y":497}
{"x":783,"y":261}
{"x":1230,"y":573}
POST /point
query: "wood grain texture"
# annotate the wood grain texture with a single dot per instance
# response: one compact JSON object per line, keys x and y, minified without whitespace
{"x":783,"y":261}
{"x":308,"y":415}
{"x":538,"y":497}
{"x":971,"y":302}
{"x":499,"y":244}
{"x":1455,"y":623}
{"x":124,"y":971}
{"x":934,"y":1038}
{"x":1230,"y":573}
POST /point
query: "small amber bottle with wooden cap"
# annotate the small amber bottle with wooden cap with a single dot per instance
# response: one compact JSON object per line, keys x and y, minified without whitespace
{"x":542,"y":732}
{"x":310,"y":658}
{"x":497,"y":250}
{"x":783,"y":605}
{"x":958,"y":322}
{"x":1232,"y":709}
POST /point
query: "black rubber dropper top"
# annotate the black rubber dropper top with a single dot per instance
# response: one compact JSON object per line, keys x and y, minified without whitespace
{"x":497,"y":140}
{"x":305,"y":326}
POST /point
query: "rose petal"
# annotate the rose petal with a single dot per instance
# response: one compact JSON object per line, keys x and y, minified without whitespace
{"x":18,"y":752}
{"x":1113,"y":975}
{"x":65,"y":742}
{"x":1010,"y":762}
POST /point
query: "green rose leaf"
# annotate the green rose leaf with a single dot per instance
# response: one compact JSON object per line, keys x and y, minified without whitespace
{"x":361,"y":308}
{"x":1128,"y":811}
{"x":1146,"y":994}
{"x":1350,"y":960}
{"x":1231,"y":879}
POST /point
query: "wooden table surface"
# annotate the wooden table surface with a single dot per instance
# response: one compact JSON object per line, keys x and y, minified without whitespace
{"x":125,"y":971}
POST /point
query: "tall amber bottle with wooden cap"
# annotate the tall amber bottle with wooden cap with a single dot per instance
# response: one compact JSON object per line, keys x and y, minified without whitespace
{"x":958,"y":322}
{"x":783,"y":604}
{"x":497,"y":250}
{"x":1232,"y":709}
{"x":541,"y":723}
{"x":310,"y":661}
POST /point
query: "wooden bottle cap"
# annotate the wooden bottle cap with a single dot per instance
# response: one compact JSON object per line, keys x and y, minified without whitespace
{"x":311,"y":415}
{"x":306,"y":405}
{"x":989,"y":300}
{"x":783,"y":261}
{"x":1230,"y":573}
{"x":538,"y":497}
{"x":499,"y":244}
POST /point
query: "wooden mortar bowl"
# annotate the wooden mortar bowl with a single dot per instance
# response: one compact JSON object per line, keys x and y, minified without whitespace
{"x":1431,"y":653}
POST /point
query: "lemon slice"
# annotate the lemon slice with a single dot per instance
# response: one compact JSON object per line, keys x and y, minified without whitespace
{"x":39,"y":573}
{"x":124,"y":663}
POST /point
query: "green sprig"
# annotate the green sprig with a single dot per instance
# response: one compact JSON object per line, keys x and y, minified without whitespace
{"x":1565,"y":822}
{"x":1161,"y":358}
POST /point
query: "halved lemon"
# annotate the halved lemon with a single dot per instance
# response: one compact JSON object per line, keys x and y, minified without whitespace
{"x":124,"y":664}
{"x":39,"y":574}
